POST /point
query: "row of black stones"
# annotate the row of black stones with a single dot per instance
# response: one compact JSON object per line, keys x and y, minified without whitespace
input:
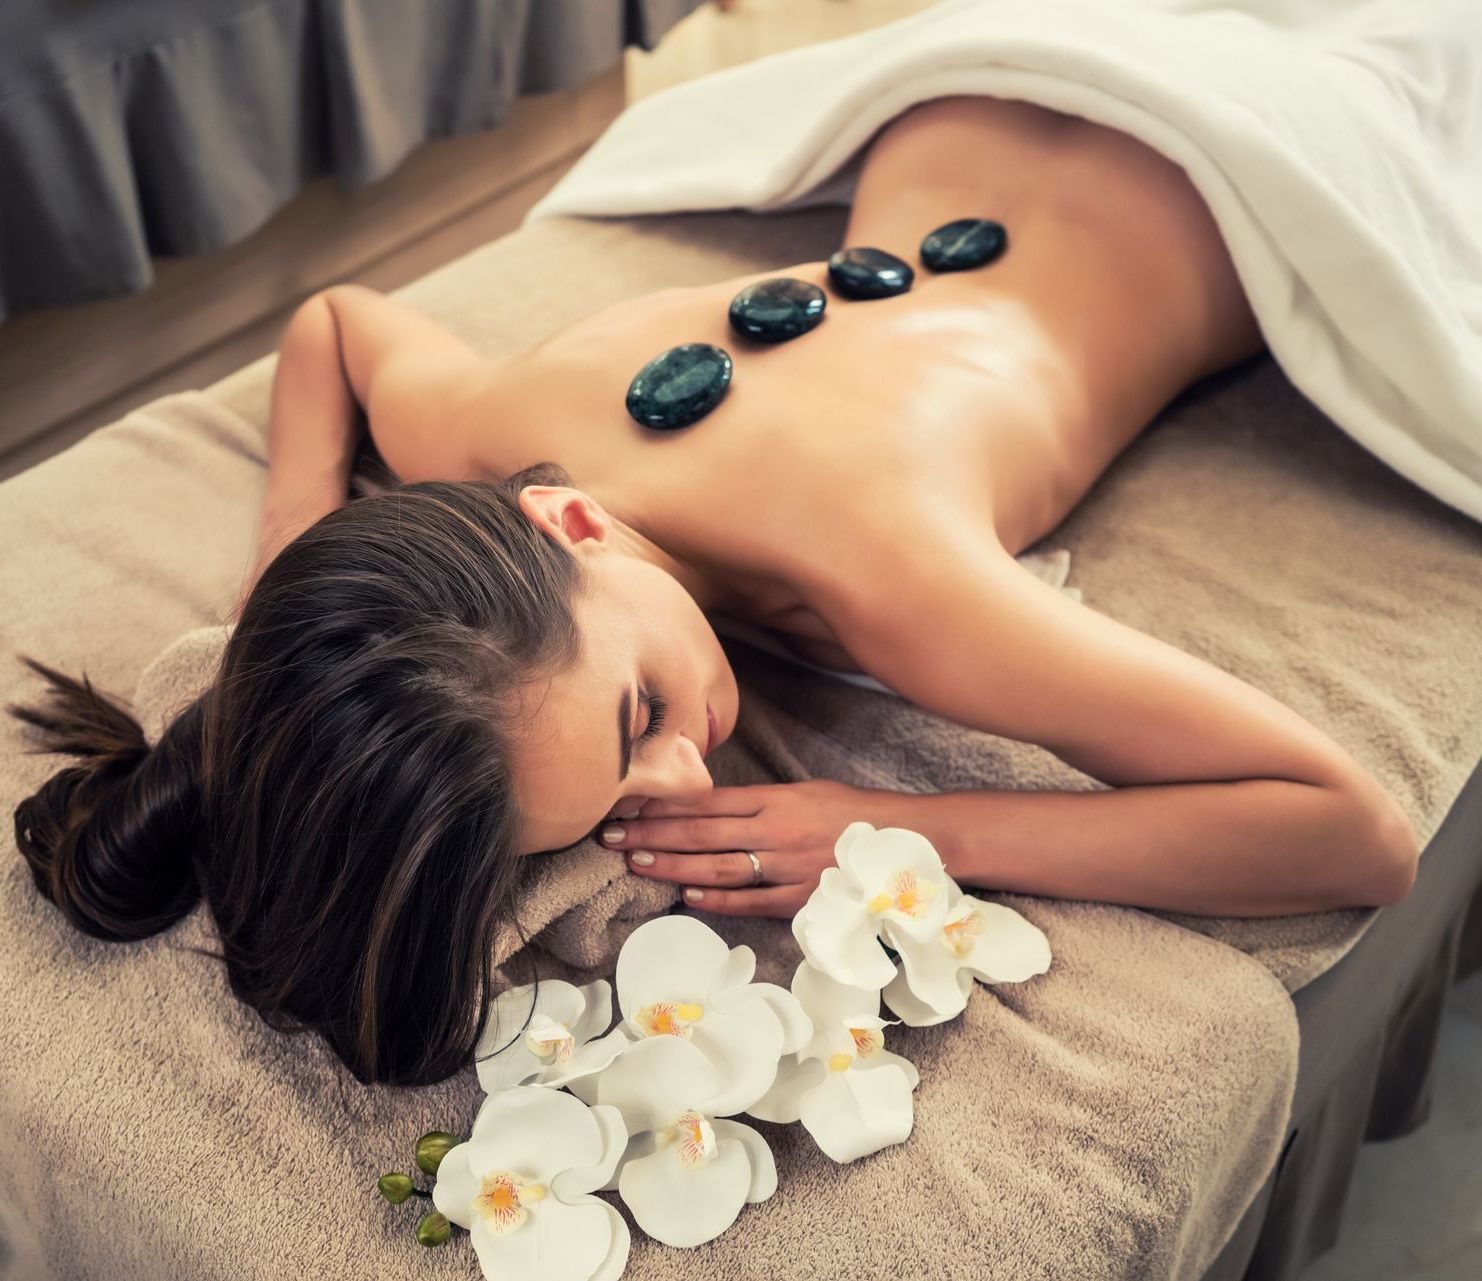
{"x":682,"y":385}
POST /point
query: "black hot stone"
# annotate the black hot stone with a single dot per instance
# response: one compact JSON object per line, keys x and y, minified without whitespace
{"x":679,"y":386}
{"x":964,"y":244}
{"x":777,"y":309}
{"x":869,"y":273}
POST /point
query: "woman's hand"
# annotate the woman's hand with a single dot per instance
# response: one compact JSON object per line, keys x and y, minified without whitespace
{"x":791,"y":828}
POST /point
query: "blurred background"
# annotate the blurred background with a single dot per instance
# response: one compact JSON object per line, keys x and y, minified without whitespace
{"x":78,"y":351}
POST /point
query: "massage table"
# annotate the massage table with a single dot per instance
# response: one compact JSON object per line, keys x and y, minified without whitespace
{"x":1176,"y":1098}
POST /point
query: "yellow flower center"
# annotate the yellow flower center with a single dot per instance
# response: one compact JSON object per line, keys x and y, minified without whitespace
{"x":502,"y":1198}
{"x":669,"y":1018}
{"x":692,"y":1136}
{"x":553,"y":1043}
{"x":961,"y":936}
{"x":839,"y":1062}
{"x":867,"y":1040}
{"x":906,"y":892}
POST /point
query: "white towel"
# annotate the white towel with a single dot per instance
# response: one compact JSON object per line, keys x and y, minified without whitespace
{"x":1338,"y":144}
{"x":1050,"y":563}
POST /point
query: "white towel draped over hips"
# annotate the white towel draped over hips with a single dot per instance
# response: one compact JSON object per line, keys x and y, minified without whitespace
{"x":1338,"y":144}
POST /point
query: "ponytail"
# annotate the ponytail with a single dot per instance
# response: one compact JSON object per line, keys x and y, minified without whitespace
{"x":112,"y":840}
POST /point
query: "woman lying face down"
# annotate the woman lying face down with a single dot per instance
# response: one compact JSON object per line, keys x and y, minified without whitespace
{"x":425,"y":685}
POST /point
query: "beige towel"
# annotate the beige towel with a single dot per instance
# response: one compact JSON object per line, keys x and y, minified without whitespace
{"x":1112,"y":1118}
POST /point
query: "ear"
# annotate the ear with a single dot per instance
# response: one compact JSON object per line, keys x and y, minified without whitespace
{"x":565,"y":513}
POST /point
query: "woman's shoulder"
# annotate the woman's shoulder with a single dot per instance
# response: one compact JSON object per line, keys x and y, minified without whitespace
{"x":862,"y":569}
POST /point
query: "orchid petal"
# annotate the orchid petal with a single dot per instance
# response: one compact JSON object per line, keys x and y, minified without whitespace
{"x":670,"y":958}
{"x":535,"y":1132}
{"x":502,"y":1056}
{"x":830,"y":1003}
{"x":881,"y":859}
{"x":596,"y":1016}
{"x":558,"y":1241}
{"x":455,"y":1189}
{"x":590,"y":1058}
{"x":655,"y":1079}
{"x":915,"y":1012}
{"x":759,"y":1152}
{"x":585,"y":1087}
{"x":743,"y":1042}
{"x":783,"y":1101}
{"x":874,"y":860}
{"x":1007,"y":948}
{"x":611,"y":1268}
{"x":738,"y":970}
{"x":687,"y":1207}
{"x":884,"y":1058}
{"x":851,"y":839}
{"x":931,"y":971}
{"x":638,"y":1145}
{"x":838,"y":936}
{"x":578,"y":1180}
{"x":797,"y":1027}
{"x":853,"y":1114}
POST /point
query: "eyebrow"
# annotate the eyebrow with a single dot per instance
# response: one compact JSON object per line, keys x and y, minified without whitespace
{"x":625,"y":742}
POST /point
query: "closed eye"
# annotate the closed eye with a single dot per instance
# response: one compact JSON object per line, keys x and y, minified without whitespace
{"x":657,"y":707}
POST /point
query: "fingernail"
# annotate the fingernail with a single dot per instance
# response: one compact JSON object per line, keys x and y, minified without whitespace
{"x":694,"y":896}
{"x":612,"y":835}
{"x":643,"y":858}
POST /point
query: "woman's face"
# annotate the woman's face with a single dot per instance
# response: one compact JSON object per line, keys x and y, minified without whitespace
{"x":593,"y":741}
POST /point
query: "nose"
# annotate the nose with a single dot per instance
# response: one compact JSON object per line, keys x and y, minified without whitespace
{"x":680,"y":776}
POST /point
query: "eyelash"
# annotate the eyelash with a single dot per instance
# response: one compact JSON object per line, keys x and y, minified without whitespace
{"x":656,"y":709}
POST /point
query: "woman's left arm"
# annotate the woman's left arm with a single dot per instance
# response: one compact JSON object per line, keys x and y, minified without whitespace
{"x":1248,"y":847}
{"x":1224,"y":800}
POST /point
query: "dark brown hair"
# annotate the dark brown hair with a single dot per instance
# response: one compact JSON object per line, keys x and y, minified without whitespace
{"x":340,"y":795}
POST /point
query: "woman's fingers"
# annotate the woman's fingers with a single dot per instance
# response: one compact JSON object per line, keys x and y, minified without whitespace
{"x":694,"y":834}
{"x":727,"y":868}
{"x":767,"y":900}
{"x":736,"y":802}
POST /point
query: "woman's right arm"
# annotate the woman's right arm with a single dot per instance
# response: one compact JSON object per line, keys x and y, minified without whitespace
{"x":348,"y":349}
{"x":313,"y":430}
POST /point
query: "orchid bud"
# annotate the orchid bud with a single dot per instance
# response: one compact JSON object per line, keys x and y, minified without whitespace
{"x":433,"y":1229}
{"x":395,"y":1187}
{"x":432,"y":1147}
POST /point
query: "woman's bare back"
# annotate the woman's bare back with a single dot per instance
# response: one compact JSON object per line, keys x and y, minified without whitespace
{"x":1004,"y":391}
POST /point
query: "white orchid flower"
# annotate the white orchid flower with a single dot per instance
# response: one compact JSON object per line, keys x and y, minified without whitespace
{"x":851,"y":1094}
{"x":976,"y":938}
{"x":889,"y":884}
{"x":559,"y":1042}
{"x":520,"y":1186}
{"x":686,"y":1172}
{"x":676,"y":977}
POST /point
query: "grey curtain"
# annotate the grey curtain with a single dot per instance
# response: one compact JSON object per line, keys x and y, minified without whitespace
{"x":172,"y":127}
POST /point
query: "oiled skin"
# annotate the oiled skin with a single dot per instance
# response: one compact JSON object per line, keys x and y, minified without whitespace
{"x":1005,"y":390}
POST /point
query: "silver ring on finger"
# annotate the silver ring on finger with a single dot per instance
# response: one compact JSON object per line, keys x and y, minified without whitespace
{"x":756,"y":867}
